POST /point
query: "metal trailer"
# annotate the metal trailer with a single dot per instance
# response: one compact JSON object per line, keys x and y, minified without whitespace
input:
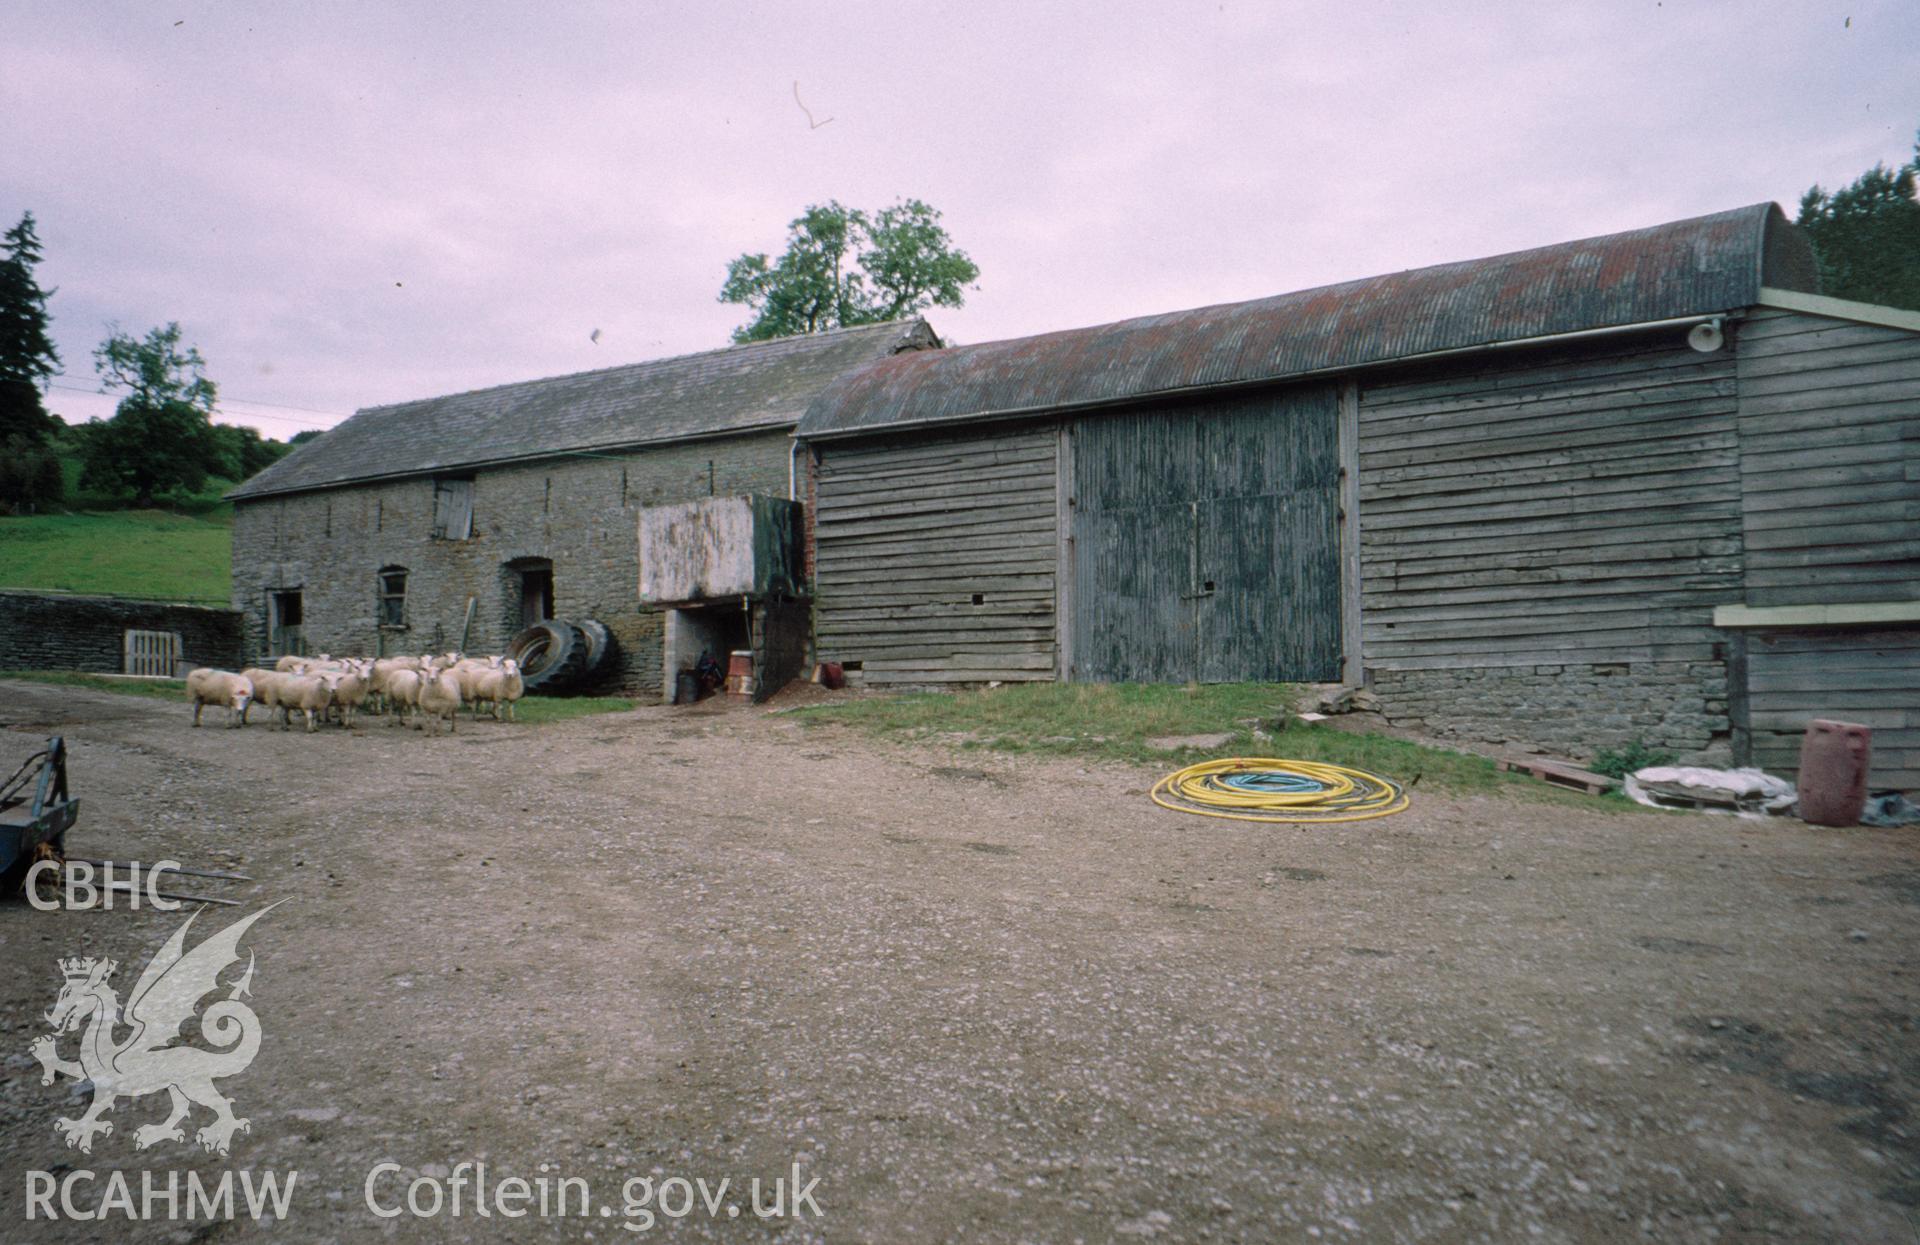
{"x":26,"y":821}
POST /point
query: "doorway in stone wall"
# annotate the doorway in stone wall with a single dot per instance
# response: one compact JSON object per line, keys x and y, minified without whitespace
{"x":286,"y":623}
{"x":529,"y":592}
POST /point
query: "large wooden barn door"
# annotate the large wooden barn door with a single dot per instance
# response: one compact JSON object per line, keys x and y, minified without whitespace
{"x":1206,"y":542}
{"x":1134,"y":615}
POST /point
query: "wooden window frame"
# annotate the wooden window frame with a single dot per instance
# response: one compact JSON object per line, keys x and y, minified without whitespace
{"x":390,"y":607}
{"x":452,"y":508}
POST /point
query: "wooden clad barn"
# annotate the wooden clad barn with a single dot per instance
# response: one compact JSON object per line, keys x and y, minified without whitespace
{"x":1646,"y":486}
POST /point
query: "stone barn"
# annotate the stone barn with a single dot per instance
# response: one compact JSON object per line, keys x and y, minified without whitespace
{"x":1645,"y":486}
{"x":520,"y":502}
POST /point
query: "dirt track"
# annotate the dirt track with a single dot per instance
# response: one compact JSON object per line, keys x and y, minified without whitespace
{"x":984,"y":998}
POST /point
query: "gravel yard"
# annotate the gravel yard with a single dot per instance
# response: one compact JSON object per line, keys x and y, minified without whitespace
{"x":980,"y":997}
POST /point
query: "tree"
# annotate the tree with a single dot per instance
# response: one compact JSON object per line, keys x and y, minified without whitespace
{"x":161,"y":436}
{"x":1866,"y":236}
{"x":154,"y":370}
{"x":30,"y":473}
{"x":29,"y":469}
{"x":843,"y":267}
{"x":240,"y":452}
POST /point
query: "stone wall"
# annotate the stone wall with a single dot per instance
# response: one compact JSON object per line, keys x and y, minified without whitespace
{"x":580,"y":512}
{"x":1570,"y":710}
{"x":55,"y":632}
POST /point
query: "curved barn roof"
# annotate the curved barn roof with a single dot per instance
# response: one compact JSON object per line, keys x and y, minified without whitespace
{"x":1691,"y":267}
{"x":759,"y":385}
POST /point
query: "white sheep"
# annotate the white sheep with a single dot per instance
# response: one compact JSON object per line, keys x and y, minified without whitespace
{"x":402,"y":692}
{"x":207,"y":686}
{"x":310,"y":694}
{"x":349,"y":691}
{"x":501,"y":686}
{"x":469,"y":671}
{"x":440,"y":698}
{"x":266,"y":688}
{"x":380,"y":672}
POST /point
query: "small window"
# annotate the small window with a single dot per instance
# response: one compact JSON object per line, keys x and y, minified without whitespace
{"x":393,"y":596}
{"x":453,"y":508}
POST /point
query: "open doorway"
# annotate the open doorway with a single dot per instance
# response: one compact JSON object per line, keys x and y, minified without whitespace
{"x":714,"y":630}
{"x":529,"y":592}
{"x":286,"y":623}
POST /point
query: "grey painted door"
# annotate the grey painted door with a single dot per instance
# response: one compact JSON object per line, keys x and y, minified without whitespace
{"x":1206,"y":542}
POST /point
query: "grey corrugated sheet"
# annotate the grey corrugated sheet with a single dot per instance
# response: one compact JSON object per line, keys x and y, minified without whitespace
{"x":1690,"y":267}
{"x":760,"y":385}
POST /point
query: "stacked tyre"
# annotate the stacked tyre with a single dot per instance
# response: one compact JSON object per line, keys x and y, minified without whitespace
{"x":557,"y":658}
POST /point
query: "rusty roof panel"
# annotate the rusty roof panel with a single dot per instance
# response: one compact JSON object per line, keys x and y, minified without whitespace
{"x":1692,"y":267}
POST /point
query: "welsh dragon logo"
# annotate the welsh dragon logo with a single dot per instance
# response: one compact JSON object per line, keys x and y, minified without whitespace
{"x":147,"y":1059}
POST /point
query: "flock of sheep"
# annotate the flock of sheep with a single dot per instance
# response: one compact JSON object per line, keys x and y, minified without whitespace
{"x":434,"y":686}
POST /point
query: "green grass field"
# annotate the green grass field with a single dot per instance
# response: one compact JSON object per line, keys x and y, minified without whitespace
{"x":1113,"y":722}
{"x":134,"y":553}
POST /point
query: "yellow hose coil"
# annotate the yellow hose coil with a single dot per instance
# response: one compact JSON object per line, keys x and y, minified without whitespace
{"x":1271,"y":789}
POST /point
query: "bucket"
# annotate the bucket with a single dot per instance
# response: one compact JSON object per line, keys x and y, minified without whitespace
{"x":1833,"y":772}
{"x":686,"y":687}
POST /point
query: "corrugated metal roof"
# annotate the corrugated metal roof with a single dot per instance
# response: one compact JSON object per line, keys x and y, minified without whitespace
{"x":1692,"y":267}
{"x":758,"y":385}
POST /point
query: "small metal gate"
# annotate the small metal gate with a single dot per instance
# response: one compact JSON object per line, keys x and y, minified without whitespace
{"x":154,"y":653}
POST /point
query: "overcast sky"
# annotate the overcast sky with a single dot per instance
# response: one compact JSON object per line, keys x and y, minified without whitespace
{"x":349,"y":204}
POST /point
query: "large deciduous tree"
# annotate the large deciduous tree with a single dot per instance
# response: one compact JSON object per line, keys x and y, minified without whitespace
{"x":1867,"y":236}
{"x":29,"y":466}
{"x":843,"y":266}
{"x":161,"y":437}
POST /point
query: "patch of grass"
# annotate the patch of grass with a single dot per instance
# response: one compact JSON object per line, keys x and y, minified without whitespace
{"x":132,"y":553}
{"x":560,"y":708}
{"x":163,"y":689}
{"x":1619,"y":762}
{"x":1113,"y":722}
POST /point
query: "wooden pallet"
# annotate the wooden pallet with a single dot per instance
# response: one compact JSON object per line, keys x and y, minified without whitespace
{"x":1559,"y":773}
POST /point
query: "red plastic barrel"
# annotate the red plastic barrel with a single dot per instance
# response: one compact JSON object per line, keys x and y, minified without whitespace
{"x":1833,"y":772}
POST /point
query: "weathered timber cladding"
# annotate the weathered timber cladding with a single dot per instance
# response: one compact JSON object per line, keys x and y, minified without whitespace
{"x":1829,"y":460}
{"x":936,"y":557}
{"x":1866,"y":676}
{"x":581,"y":513}
{"x":1206,"y":541}
{"x":1560,"y":524}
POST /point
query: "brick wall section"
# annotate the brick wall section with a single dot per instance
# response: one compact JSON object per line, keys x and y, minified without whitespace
{"x":49,"y":632}
{"x":580,"y":513}
{"x":1568,"y":710}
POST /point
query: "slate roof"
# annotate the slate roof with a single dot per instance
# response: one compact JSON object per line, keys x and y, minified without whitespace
{"x":1701,"y":266}
{"x":761,"y":385}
